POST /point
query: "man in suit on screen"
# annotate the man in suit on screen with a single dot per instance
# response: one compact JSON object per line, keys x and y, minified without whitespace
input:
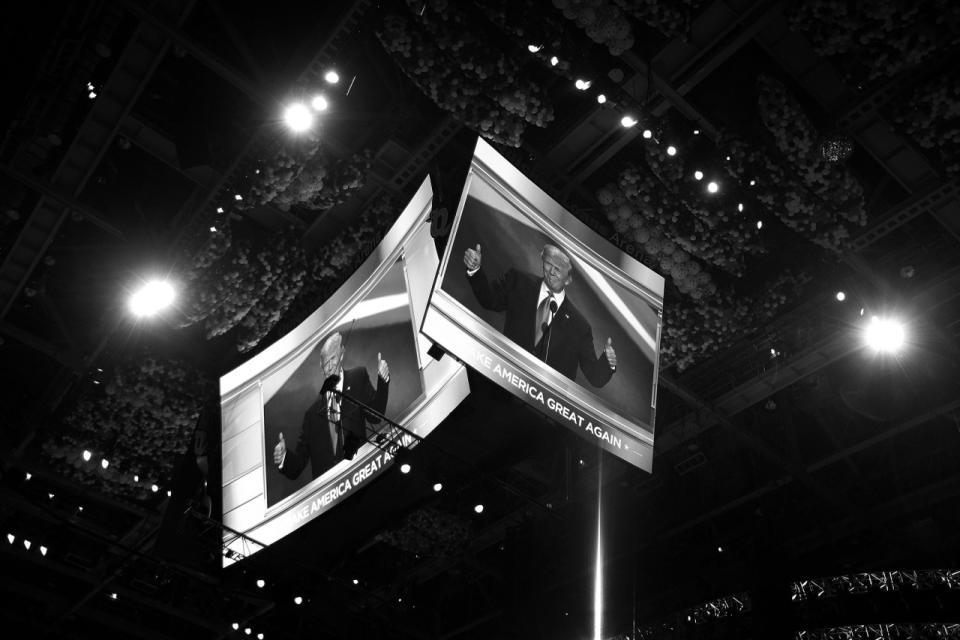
{"x":333,"y":427}
{"x":540,"y":317}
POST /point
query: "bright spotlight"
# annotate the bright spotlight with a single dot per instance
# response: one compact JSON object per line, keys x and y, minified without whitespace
{"x":112,"y":595}
{"x":759,"y":224}
{"x":87,"y":455}
{"x":841,"y":296}
{"x":136,"y":478}
{"x":601,"y":98}
{"x":259,"y":636}
{"x":534,"y":48}
{"x":213,"y":229}
{"x":104,"y":463}
{"x":26,"y":544}
{"x":438,"y":487}
{"x":154,"y":488}
{"x":884,"y":335}
{"x":296,"y":600}
{"x":698,"y":175}
{"x":43,"y":550}
{"x":298,"y":117}
{"x":11,"y":538}
{"x":356,"y":581}
{"x":27,"y":475}
{"x":248,"y":631}
{"x":712,"y":187}
{"x":628,"y":121}
{"x":696,"y":132}
{"x":478,"y":508}
{"x":152,"y":298}
{"x":319,"y":103}
{"x":235,"y":625}
{"x":405,"y":467}
{"x":261,"y":583}
{"x":583,"y":85}
{"x":554,"y":61}
{"x":740,"y":207}
{"x":671,"y":150}
{"x":647,"y":134}
{"x":331,"y":77}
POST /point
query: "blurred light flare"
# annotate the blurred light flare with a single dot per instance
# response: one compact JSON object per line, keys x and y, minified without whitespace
{"x":153,"y":297}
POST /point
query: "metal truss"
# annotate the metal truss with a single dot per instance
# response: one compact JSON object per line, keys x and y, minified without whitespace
{"x":878,"y":581}
{"x":892,"y":631}
{"x":729,"y":606}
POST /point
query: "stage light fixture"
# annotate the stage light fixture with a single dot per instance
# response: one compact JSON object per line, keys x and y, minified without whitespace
{"x":104,"y":463}
{"x":628,"y":121}
{"x":248,"y":630}
{"x":405,"y":467}
{"x":219,"y":209}
{"x":51,"y":495}
{"x":478,"y":508}
{"x":235,"y":625}
{"x":28,"y":475}
{"x":296,"y":600}
{"x":841,"y":296}
{"x":153,"y":297}
{"x":534,"y":48}
{"x":319,"y":103}
{"x":80,"y":508}
{"x":154,"y":488}
{"x":601,"y":98}
{"x":87,"y":455}
{"x":582,"y":84}
{"x":261,"y":583}
{"x":671,"y":150}
{"x":740,"y":207}
{"x":169,"y":493}
{"x":331,"y":77}
{"x":647,"y":134}
{"x":112,"y":595}
{"x":26,"y":544}
{"x":712,"y":187}
{"x":698,"y":175}
{"x":43,"y":550}
{"x":237,"y":197}
{"x":356,"y":581}
{"x":213,"y":229}
{"x":759,"y":224}
{"x":753,"y":183}
{"x":136,"y":478}
{"x":11,"y":538}
{"x":696,"y":132}
{"x":437,"y":487}
{"x":554,"y":61}
{"x":298,"y":117}
{"x":884,"y":335}
{"x":259,"y":636}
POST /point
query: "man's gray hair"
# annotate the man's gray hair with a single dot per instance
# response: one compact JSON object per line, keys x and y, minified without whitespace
{"x":554,"y":251}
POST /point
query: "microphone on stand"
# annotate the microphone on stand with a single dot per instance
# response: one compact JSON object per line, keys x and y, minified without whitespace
{"x":330,"y":384}
{"x":547,"y":329}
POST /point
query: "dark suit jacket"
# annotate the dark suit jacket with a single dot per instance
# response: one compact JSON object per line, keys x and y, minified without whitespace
{"x":571,"y":339}
{"x":315,"y":445}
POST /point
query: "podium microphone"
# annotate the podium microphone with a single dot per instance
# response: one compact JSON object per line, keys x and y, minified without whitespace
{"x":330,"y":384}
{"x":547,"y":329}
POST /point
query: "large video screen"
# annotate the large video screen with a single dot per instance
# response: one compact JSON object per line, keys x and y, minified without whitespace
{"x":291,"y":449}
{"x":539,"y":303}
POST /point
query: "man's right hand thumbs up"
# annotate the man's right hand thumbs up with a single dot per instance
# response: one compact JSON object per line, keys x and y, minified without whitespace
{"x":471,"y":258}
{"x":279,"y":451}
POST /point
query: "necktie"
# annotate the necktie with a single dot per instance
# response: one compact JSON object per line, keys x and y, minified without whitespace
{"x":543,"y":314}
{"x":333,"y":420}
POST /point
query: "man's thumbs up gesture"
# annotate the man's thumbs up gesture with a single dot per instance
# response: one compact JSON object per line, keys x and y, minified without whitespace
{"x":471,"y":258}
{"x":610,"y":353}
{"x":383,"y":369}
{"x":279,"y":451}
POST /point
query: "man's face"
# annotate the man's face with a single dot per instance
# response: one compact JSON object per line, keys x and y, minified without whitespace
{"x":556,"y":271}
{"x":331,"y":356}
